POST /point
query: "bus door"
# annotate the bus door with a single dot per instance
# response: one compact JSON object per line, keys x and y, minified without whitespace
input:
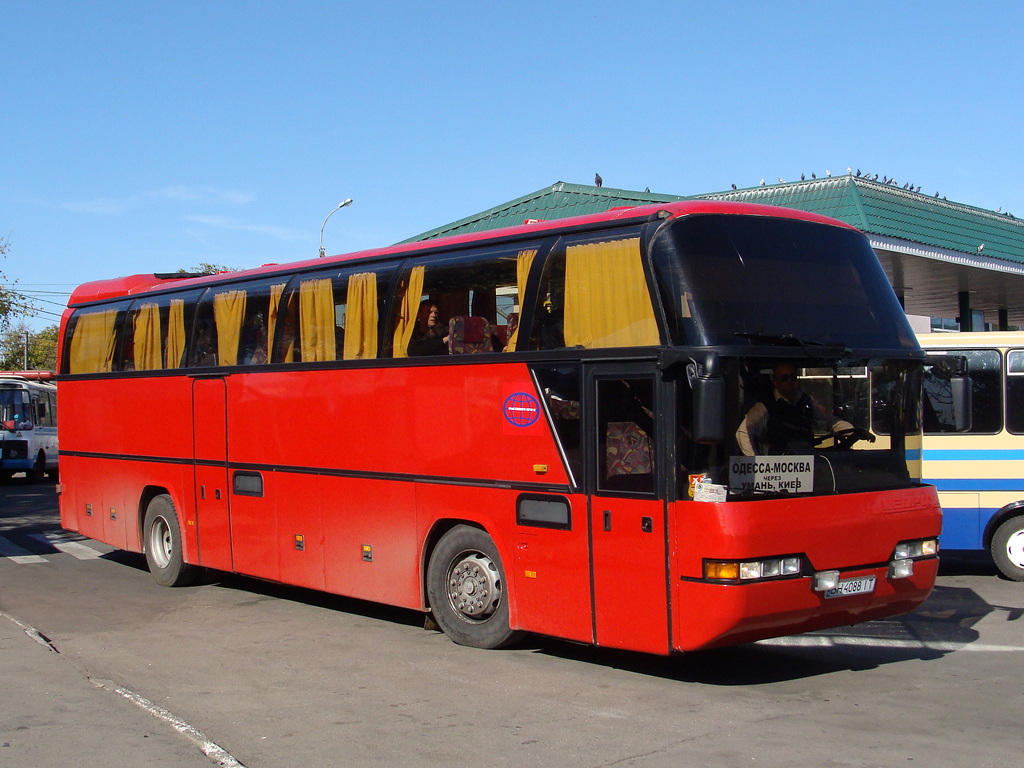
{"x":210,"y":445}
{"x":629,"y":555}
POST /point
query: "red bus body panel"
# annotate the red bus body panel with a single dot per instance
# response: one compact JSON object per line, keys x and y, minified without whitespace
{"x":853,"y":533}
{"x":360,"y":468}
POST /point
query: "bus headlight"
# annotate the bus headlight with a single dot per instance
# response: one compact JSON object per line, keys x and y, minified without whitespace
{"x":908,"y":550}
{"x":752,"y":570}
{"x":903,"y":556}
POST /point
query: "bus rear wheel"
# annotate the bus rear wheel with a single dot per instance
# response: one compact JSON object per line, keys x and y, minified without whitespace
{"x":164,"y":552}
{"x":1008,"y":548}
{"x":466,"y":588}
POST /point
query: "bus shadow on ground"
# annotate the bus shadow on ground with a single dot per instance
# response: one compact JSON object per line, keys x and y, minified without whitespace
{"x":944,"y":624}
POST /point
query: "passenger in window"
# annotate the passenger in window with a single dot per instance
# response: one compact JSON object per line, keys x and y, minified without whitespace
{"x":257,"y":355}
{"x":430,"y":336}
{"x":788,"y":420}
{"x":206,"y":351}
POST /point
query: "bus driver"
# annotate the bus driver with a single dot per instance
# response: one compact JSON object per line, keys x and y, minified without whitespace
{"x":789,"y":421}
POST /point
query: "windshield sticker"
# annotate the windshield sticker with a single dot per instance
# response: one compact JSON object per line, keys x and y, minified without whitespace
{"x":771,"y":474}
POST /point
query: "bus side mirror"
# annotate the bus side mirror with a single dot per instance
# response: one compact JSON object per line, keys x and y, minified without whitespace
{"x":963,"y":402}
{"x":708,"y":387}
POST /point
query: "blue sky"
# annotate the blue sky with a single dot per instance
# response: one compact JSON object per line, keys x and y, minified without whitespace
{"x":147,"y":137}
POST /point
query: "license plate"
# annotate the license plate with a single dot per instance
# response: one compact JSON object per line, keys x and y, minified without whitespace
{"x":847,"y":587}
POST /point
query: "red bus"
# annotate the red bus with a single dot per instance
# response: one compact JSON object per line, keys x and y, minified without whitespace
{"x":524,"y":430}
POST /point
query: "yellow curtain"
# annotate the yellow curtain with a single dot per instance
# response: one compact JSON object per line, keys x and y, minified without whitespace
{"x":275,"y":307}
{"x":176,"y":333}
{"x":316,"y":320}
{"x":228,"y":311}
{"x":607,"y":303}
{"x":523,"y":263}
{"x":92,"y":346}
{"x":361,"y":317}
{"x":407,"y":312}
{"x":147,"y":338}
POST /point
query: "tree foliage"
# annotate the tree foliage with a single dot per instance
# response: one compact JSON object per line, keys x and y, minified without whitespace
{"x":11,"y":301}
{"x":206,"y":268}
{"x":42,"y":348}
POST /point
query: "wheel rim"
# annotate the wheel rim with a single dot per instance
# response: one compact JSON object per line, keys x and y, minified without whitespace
{"x":474,"y":587}
{"x":1015,"y":548}
{"x":160,"y":543}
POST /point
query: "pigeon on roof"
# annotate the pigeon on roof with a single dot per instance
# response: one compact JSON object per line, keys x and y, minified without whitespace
{"x":828,"y":173}
{"x":734,"y":186}
{"x":762,"y":182}
{"x":598,"y":181}
{"x":858,"y":173}
{"x":813,"y":176}
{"x":801,"y":177}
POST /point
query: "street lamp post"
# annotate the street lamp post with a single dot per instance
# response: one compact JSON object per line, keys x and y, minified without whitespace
{"x":348,"y":201}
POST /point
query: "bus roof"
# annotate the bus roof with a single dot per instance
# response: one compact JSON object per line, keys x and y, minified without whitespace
{"x":100,"y":290}
{"x":29,"y":375}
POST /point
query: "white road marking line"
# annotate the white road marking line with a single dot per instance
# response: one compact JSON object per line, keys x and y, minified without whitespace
{"x":16,"y":554}
{"x":74,"y":548}
{"x":212,"y":750}
{"x":942,"y":646}
{"x":31,"y":631}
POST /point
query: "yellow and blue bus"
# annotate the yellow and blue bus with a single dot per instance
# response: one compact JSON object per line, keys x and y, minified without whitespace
{"x":978,"y":467}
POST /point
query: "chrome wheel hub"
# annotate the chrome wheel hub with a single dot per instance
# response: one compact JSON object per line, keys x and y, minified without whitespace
{"x":474,"y":586}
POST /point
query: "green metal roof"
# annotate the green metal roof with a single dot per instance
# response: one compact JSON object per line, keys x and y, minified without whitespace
{"x":871,"y":206}
{"x":559,"y":201}
{"x":890,"y":211}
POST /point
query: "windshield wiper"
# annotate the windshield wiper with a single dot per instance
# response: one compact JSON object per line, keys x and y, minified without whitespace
{"x":791,"y":340}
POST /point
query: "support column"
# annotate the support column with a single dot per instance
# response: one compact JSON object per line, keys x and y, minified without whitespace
{"x":1004,"y":319}
{"x":966,"y":320}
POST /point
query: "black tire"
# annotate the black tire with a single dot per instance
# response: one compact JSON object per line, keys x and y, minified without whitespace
{"x":162,"y":543}
{"x":38,"y":472}
{"x":1008,"y":548}
{"x":467,"y":590}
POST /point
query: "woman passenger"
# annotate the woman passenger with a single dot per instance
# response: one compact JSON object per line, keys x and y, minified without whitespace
{"x":430,"y":336}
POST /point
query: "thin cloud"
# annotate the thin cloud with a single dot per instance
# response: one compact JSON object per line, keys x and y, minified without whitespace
{"x":222,"y":222}
{"x":180,"y":193}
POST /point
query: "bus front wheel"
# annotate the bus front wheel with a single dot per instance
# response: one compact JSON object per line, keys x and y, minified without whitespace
{"x":467,"y":590}
{"x":1008,"y":548}
{"x":164,"y":552}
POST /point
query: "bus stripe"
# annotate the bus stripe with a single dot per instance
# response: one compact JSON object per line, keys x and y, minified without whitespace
{"x":967,"y":454}
{"x":332,"y":472}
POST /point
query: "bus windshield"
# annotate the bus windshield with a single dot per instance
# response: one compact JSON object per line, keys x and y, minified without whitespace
{"x":728,"y":280}
{"x":14,"y":409}
{"x":853,"y":425}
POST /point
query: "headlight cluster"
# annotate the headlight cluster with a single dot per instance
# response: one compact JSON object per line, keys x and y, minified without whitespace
{"x":902,"y":565}
{"x":907,"y":550}
{"x":752,"y":570}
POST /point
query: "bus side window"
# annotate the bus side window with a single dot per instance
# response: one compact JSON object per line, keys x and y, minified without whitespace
{"x":477,"y":295}
{"x":594,"y":295}
{"x":1015,"y":391}
{"x":983,"y":366}
{"x":625,"y":435}
{"x":94,"y":340}
{"x":561,"y":390}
